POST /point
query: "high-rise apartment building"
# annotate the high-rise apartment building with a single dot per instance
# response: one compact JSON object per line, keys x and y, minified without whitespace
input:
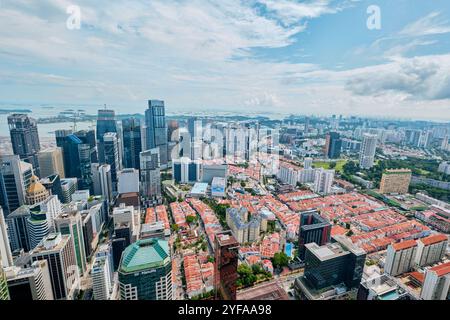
{"x":400,"y":257}
{"x":395,"y":181}
{"x":51,"y":162}
{"x":431,"y":249}
{"x":323,"y":181}
{"x":145,"y":271}
{"x":156,"y":129}
{"x":367,"y":152}
{"x":436,"y":284}
{"x":25,"y":138}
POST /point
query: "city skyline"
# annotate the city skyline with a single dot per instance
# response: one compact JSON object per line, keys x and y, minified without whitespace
{"x":264,"y":56}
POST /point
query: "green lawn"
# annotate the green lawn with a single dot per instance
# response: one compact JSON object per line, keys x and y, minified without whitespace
{"x":326,"y":165}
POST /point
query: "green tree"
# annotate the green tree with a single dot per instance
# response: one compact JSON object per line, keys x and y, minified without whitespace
{"x":280,"y":260}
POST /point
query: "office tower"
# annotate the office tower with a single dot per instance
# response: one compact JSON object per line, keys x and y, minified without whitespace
{"x":111,"y":153}
{"x":78,"y":152}
{"x":15,"y":177}
{"x":4,"y":294}
{"x":368,"y":149}
{"x":5,"y":249}
{"x":436,"y":284}
{"x":37,"y":225}
{"x":25,"y":138}
{"x":150,"y":174}
{"x":145,"y":271}
{"x":172,"y":126}
{"x":71,"y":223}
{"x":53,"y":184}
{"x":127,"y":214}
{"x":156,"y":133}
{"x":400,"y":257}
{"x":18,"y":229}
{"x":30,"y":283}
{"x":395,"y":181}
{"x":51,"y":162}
{"x":333,"y":145}
{"x":36,"y":192}
{"x":210,"y":171}
{"x":195,"y":129}
{"x":331,"y":264}
{"x":52,"y":208}
{"x":128,"y":181}
{"x":226,"y":263}
{"x":106,"y":122}
{"x":431,"y":249}
{"x":64,"y":276}
{"x":132,"y":142}
{"x":185,"y":170}
{"x":102,"y":181}
{"x":101,"y":284}
{"x":313,"y":228}
{"x":323,"y":181}
{"x":68,"y":187}
{"x":245,"y":229}
{"x":118,"y":247}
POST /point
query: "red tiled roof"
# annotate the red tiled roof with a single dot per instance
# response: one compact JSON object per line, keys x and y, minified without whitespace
{"x":404,"y":245}
{"x":442,"y":269}
{"x":434,"y":239}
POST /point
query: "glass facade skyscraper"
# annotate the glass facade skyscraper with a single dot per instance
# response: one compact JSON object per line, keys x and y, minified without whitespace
{"x":132,"y":142}
{"x":106,"y":122}
{"x":156,"y":129}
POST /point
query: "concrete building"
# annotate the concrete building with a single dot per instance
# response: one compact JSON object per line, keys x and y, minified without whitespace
{"x":145,"y":271}
{"x":102,"y":181}
{"x":71,"y":223}
{"x":213,"y":170}
{"x":68,"y":188}
{"x":395,"y":181}
{"x":218,"y":187}
{"x":150,"y":174}
{"x":436,"y":283}
{"x":368,"y":149}
{"x":30,"y":283}
{"x":101,"y":279}
{"x":128,"y":181}
{"x":36,"y":192}
{"x":400,"y":257}
{"x":4,"y":293}
{"x":431,"y":250}
{"x":51,"y":162}
{"x":186,"y":170}
{"x":5,"y":249}
{"x":245,"y":229}
{"x":323,"y":181}
{"x":127,"y":214}
{"x":63,"y":270}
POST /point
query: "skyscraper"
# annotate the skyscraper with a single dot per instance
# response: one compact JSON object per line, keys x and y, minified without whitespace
{"x":15,"y":177}
{"x":5,"y":249}
{"x":4,"y":294}
{"x":106,"y":122}
{"x":150,"y":174}
{"x":78,"y":153}
{"x":156,"y":132}
{"x":51,"y":162}
{"x":18,"y":228}
{"x":368,"y":149}
{"x":102,"y":180}
{"x":30,"y":283}
{"x":24,"y":138}
{"x":333,"y":145}
{"x":226,"y":263}
{"x":64,"y":276}
{"x":111,"y":154}
{"x":145,"y":271}
{"x":132,"y":142}
{"x":323,"y":181}
{"x":70,"y":223}
{"x":313,"y":228}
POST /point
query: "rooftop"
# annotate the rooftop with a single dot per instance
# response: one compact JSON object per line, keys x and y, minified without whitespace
{"x":434,"y":239}
{"x":145,"y":254}
{"x":404,"y":245}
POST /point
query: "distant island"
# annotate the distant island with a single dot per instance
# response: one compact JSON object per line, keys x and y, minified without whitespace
{"x":6,"y":111}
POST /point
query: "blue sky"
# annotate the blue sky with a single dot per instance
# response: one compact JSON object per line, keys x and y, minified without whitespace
{"x":283,"y":56}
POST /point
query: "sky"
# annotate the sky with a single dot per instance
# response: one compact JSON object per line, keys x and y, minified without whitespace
{"x":268,"y":56}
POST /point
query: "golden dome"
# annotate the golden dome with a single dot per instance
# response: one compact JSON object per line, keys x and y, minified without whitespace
{"x":35,"y":186}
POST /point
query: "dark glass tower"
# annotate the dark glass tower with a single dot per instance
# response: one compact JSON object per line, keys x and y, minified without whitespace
{"x":106,"y":122}
{"x":25,"y":139}
{"x":333,"y":145}
{"x":132,"y":142}
{"x":313,"y":228}
{"x":156,"y":129}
